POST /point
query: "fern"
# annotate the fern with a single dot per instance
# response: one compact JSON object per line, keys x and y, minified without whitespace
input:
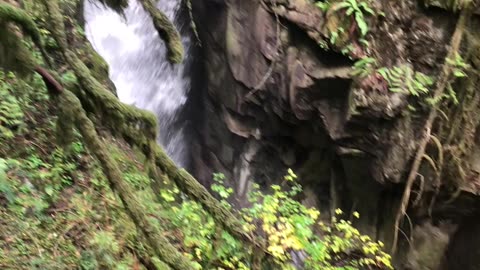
{"x":358,"y":9}
{"x":459,"y":66}
{"x":5,"y":187}
{"x":403,"y":79}
{"x":11,"y":113}
{"x":364,"y":67}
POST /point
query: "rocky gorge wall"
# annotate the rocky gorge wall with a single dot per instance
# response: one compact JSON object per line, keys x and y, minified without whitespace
{"x":273,"y":98}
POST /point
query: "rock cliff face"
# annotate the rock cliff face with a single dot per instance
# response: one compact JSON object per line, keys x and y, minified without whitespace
{"x":275,"y":99}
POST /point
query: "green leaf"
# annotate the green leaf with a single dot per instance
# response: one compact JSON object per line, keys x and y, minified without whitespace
{"x":364,"y":42}
{"x":353,"y":3}
{"x":323,"y":6}
{"x":362,"y":25}
{"x":366,"y":8}
{"x":397,"y":90}
{"x":341,"y":6}
{"x":333,"y":37}
{"x":459,"y":74}
{"x":349,"y":11}
{"x":49,"y":190}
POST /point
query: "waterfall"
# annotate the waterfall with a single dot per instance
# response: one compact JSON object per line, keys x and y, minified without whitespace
{"x":139,"y":68}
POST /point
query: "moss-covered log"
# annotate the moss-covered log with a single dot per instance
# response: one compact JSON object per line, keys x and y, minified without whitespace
{"x":162,"y":248}
{"x":9,"y":13}
{"x":189,"y":185}
{"x":13,"y":54}
{"x":128,"y":121}
{"x":166,"y":30}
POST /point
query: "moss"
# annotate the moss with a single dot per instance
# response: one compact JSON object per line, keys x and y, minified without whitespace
{"x":14,"y":56}
{"x":166,"y":30}
{"x":162,"y":248}
{"x":132,"y":123}
{"x":64,"y":129}
{"x":190,"y":186}
{"x":9,"y":13}
{"x":95,"y":63}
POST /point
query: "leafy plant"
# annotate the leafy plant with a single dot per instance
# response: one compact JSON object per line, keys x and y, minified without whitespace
{"x":106,"y":248}
{"x":288,"y":227}
{"x":5,"y":187}
{"x":459,"y":66}
{"x":355,"y":9}
{"x":364,"y":67}
{"x":403,"y":79}
{"x":358,"y":11}
{"x":11,"y":113}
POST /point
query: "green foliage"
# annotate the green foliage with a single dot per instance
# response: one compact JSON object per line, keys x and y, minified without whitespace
{"x":459,"y":70}
{"x":356,"y":10}
{"x":364,"y":67}
{"x":400,"y":79}
{"x":17,"y":97}
{"x":21,"y":18}
{"x":403,"y":79}
{"x":105,"y":248}
{"x":87,"y":229}
{"x":459,"y":66}
{"x":11,"y":113}
{"x":5,"y":188}
{"x":287,"y":225}
{"x":45,"y":181}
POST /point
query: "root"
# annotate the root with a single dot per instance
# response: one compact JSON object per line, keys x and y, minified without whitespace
{"x":441,"y":85}
{"x":24,"y":20}
{"x":51,"y":83}
{"x":131,"y":123}
{"x":166,"y":30}
{"x":193,"y":25}
{"x":438,"y":175}
{"x":431,"y":162}
{"x":420,"y":190}
{"x":163,"y":249}
{"x":454,"y":196}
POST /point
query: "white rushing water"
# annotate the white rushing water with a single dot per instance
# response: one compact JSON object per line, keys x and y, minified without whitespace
{"x":139,"y":67}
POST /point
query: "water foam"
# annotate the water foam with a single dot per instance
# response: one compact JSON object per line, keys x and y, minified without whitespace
{"x":139,"y":67}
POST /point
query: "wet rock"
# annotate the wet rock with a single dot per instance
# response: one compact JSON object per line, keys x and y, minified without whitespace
{"x":280,"y":103}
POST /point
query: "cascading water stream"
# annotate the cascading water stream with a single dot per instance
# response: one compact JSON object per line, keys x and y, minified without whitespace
{"x":139,"y":67}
